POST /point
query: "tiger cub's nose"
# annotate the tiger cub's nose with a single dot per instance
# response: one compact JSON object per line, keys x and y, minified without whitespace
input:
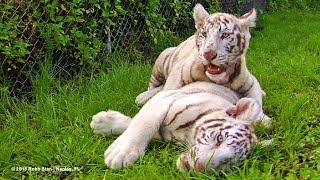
{"x":209,"y":55}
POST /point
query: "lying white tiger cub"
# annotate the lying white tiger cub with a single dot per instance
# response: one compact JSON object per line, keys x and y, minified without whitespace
{"x":201,"y":114}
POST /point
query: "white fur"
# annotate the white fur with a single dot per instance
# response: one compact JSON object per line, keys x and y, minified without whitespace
{"x":159,"y":111}
{"x":103,"y":123}
{"x":187,"y":64}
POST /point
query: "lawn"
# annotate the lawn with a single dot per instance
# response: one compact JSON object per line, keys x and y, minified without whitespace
{"x":53,"y":129}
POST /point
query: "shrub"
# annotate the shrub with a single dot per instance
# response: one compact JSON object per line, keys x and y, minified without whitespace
{"x":78,"y":34}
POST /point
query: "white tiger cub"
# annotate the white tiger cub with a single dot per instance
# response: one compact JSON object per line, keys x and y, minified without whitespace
{"x":201,"y":114}
{"x":216,"y":53}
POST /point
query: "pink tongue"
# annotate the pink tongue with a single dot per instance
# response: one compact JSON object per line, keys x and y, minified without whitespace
{"x":213,"y":69}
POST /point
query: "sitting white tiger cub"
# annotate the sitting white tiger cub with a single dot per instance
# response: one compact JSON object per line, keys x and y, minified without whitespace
{"x":216,"y":53}
{"x":201,"y":114}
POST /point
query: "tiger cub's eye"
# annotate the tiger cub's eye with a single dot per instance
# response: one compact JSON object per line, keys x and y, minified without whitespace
{"x":225,"y":35}
{"x":204,"y":34}
{"x":219,"y":138}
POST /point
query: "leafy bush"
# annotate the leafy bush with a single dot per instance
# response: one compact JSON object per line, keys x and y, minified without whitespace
{"x":79,"y":34}
{"x":75,"y":34}
{"x":11,"y":48}
{"x":82,"y":30}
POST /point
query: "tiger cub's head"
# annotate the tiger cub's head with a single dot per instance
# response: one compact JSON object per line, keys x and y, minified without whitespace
{"x":221,"y":40}
{"x":223,"y":138}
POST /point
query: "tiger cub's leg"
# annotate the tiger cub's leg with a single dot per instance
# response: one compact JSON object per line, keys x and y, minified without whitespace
{"x":257,"y":93}
{"x":109,"y":123}
{"x":160,"y":71}
{"x":142,"y":98}
{"x":131,"y":144}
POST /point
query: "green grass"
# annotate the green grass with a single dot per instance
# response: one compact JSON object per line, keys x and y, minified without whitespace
{"x":53,"y":130}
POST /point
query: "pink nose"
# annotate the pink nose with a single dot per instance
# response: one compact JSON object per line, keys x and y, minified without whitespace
{"x":209,"y":55}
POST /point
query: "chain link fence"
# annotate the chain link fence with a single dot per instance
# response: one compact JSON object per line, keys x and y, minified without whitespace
{"x":75,"y":33}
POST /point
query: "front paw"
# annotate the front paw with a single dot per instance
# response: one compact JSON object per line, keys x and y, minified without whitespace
{"x":123,"y":152}
{"x":142,"y":98}
{"x":109,"y":123}
{"x":266,"y":121}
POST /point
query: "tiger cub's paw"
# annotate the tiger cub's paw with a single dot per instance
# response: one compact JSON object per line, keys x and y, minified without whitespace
{"x":123,"y":152}
{"x":142,"y":98}
{"x":108,"y":123}
{"x":266,"y":121}
{"x":266,"y":143}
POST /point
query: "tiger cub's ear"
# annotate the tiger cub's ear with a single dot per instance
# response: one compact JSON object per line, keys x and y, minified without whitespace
{"x":199,"y":16}
{"x":246,"y":109}
{"x":249,"y":19}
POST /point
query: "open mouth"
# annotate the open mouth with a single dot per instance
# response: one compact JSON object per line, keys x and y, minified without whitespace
{"x":214,"y":70}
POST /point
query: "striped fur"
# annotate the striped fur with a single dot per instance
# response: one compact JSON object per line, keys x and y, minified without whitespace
{"x":202,"y":115}
{"x":213,"y":119}
{"x":222,"y":40}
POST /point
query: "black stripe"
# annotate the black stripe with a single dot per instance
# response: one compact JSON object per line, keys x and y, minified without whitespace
{"x":231,"y":48}
{"x":238,"y":134}
{"x":173,"y":101}
{"x":236,"y":73}
{"x":193,"y":121}
{"x":248,"y":136}
{"x":240,"y":87}
{"x":203,"y":135}
{"x":244,"y":92}
{"x":156,"y":81}
{"x":197,"y":39}
{"x":187,"y":124}
{"x":161,"y":133}
{"x":214,"y":126}
{"x":239,"y":143}
{"x":191,"y":77}
{"x":245,"y":146}
{"x":186,"y":163}
{"x":199,"y":141}
{"x":243,"y":46}
{"x":227,"y":127}
{"x":232,"y":142}
{"x":166,"y":63}
{"x":235,"y":137}
{"x":187,"y":107}
{"x":161,"y":128}
{"x":212,"y":120}
{"x":238,"y":39}
{"x":224,"y":23}
{"x":175,"y":116}
{"x":234,"y":28}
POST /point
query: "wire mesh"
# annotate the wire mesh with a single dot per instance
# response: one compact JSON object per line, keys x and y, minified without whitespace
{"x":129,"y":31}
